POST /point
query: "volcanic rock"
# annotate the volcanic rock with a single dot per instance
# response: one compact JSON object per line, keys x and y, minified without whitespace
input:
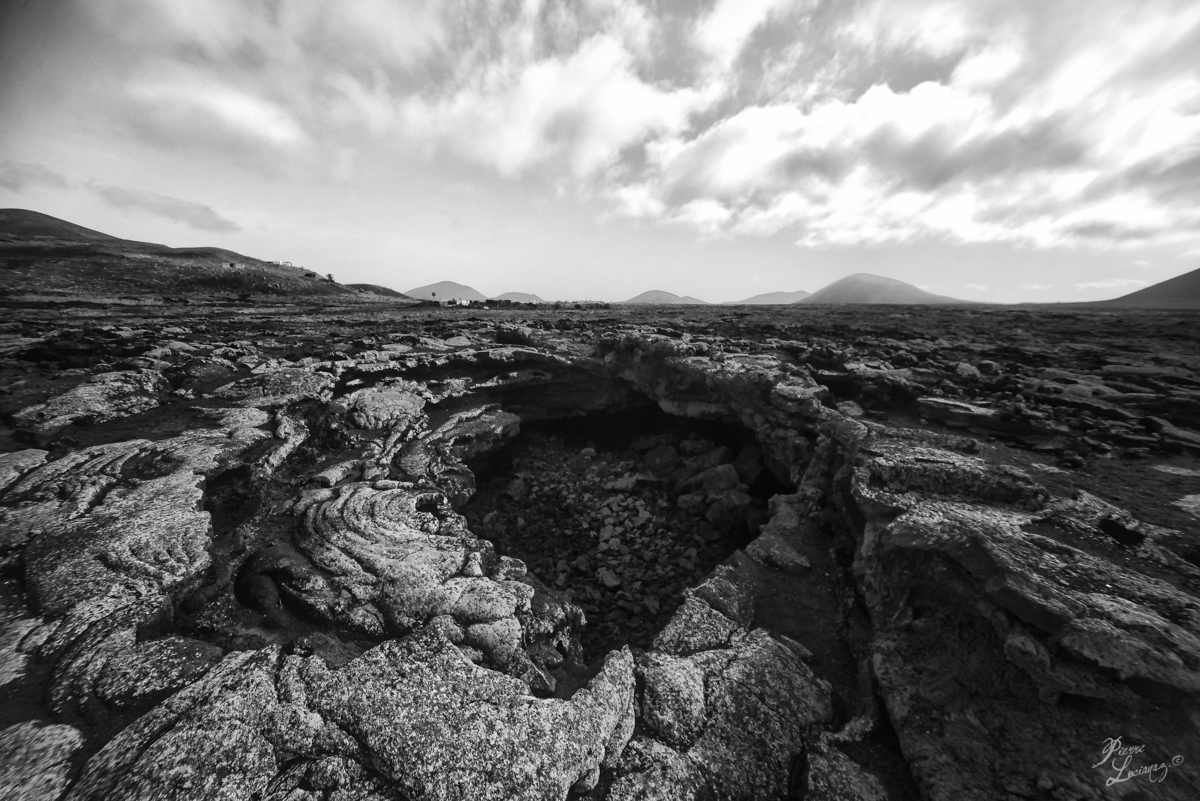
{"x":104,"y":397}
{"x":1034,"y":617}
{"x":35,"y":759}
{"x":415,"y":711}
{"x":339,"y":554}
{"x":392,"y":407}
{"x":277,"y":388}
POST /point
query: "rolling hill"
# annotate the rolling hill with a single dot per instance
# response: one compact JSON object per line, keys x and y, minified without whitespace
{"x":1180,"y":292}
{"x":770,"y":299}
{"x":445,"y":290}
{"x":659,"y":297}
{"x":26,"y":224}
{"x":52,"y":259}
{"x":863,"y":288}
{"x":519,"y":297}
{"x":379,"y":290}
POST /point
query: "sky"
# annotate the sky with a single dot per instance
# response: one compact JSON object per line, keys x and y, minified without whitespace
{"x":992,"y":150}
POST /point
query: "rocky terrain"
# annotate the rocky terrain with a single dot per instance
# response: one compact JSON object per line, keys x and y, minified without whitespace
{"x":377,"y":551}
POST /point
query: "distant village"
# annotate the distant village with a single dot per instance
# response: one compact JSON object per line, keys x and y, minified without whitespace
{"x":505,"y":303}
{"x":241,"y":265}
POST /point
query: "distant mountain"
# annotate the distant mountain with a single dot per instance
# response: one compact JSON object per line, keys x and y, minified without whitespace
{"x":660,"y":297}
{"x":26,"y":224}
{"x":519,"y":297}
{"x":445,"y":290}
{"x":1180,"y":292}
{"x":872,"y":289}
{"x":770,"y":299}
{"x":48,"y":257}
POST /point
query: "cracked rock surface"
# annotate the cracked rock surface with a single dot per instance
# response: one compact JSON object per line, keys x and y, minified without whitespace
{"x":397,"y":553}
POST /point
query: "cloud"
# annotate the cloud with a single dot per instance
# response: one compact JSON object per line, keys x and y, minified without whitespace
{"x":636,"y":200}
{"x":937,"y":28}
{"x":194,"y":215}
{"x":554,"y":86}
{"x":707,"y":216}
{"x":1020,"y":132}
{"x":18,"y":175}
{"x":978,"y":287}
{"x":274,"y":88}
{"x":1110,"y":230}
{"x":1113,"y":283}
{"x":1045,"y":123}
{"x":1037,"y":286}
{"x":912,"y":162}
{"x":180,"y":102}
{"x":723,"y":32}
{"x":579,"y":112}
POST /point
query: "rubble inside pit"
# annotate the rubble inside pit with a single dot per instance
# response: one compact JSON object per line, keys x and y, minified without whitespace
{"x":342,"y":557}
{"x":623,"y":527}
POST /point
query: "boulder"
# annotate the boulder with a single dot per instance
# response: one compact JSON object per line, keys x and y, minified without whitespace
{"x":36,"y":760}
{"x":108,"y":535}
{"x":661,"y":460}
{"x":382,"y":561}
{"x":829,"y":775}
{"x":774,"y":551}
{"x":673,"y":699}
{"x":412,"y":715}
{"x":278,"y":388}
{"x":990,"y":607}
{"x":394,"y":407}
{"x":104,"y":397}
{"x":730,"y":722}
{"x":441,"y":728}
{"x":14,"y":465}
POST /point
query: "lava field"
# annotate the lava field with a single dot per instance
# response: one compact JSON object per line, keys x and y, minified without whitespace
{"x":381,"y":551}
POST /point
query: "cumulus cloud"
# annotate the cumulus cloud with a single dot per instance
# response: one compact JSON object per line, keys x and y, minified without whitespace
{"x":990,"y":153}
{"x":723,"y":32}
{"x":636,"y":200}
{"x":707,"y":216}
{"x":1041,"y":122}
{"x":580,"y":111}
{"x":182,"y":103}
{"x":192,"y":214}
{"x":19,"y":175}
{"x":1014,"y":137}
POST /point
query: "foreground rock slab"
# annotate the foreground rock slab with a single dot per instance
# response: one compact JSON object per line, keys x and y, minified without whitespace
{"x":1001,"y":617}
{"x":414,"y":714}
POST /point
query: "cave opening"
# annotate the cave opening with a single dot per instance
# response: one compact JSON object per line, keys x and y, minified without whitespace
{"x":622,"y":511}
